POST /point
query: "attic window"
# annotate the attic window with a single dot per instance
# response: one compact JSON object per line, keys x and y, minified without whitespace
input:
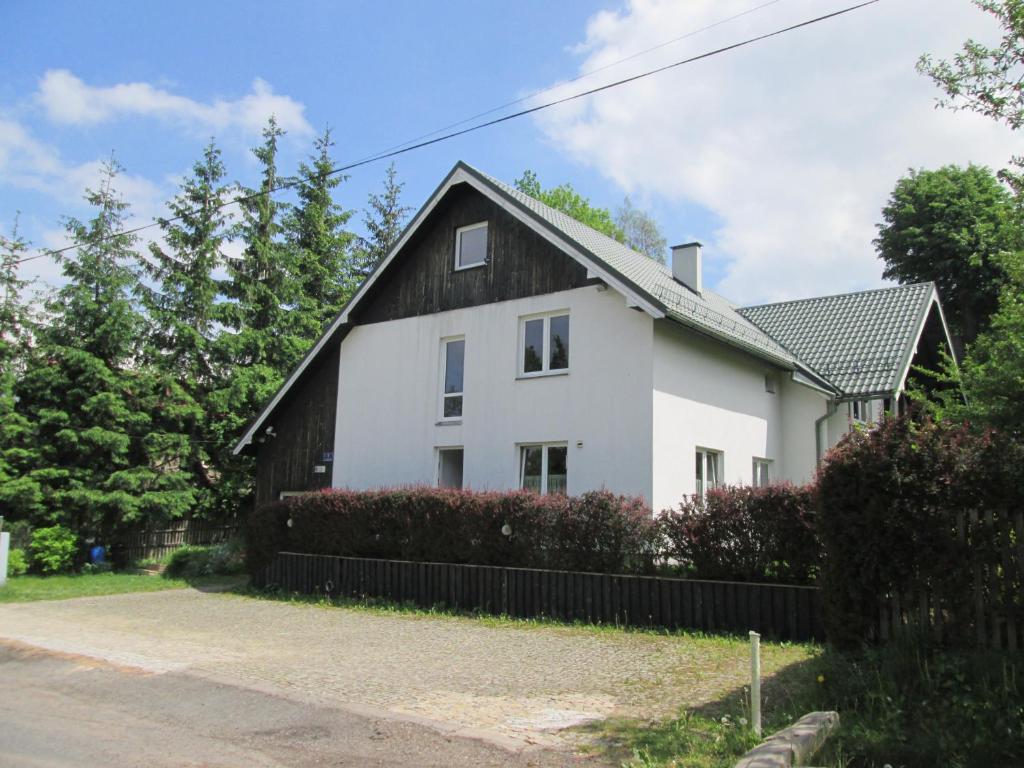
{"x":471,"y":246}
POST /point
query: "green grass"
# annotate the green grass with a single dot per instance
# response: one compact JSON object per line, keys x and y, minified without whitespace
{"x":23,"y":589}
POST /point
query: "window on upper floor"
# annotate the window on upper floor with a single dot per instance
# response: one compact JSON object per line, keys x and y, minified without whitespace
{"x":544,"y":467}
{"x":449,"y":467}
{"x":544,"y":346}
{"x":709,"y":470}
{"x":453,"y":360}
{"x":762,"y":472}
{"x":471,"y":245}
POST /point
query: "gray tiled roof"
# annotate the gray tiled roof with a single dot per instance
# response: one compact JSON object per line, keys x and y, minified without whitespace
{"x":707,"y":311}
{"x":858,"y":341}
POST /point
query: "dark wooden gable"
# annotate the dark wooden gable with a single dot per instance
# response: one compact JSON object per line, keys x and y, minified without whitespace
{"x":422,"y":278}
{"x":303,"y":426}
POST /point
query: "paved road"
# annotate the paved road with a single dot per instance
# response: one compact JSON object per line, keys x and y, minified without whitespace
{"x":62,"y":711}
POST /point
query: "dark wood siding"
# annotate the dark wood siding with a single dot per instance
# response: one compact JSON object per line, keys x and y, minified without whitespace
{"x":423,"y":280}
{"x":304,"y":424}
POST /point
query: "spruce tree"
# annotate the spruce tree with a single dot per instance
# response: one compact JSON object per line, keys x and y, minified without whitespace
{"x":103,"y":462}
{"x":181,"y":307}
{"x":321,"y":246}
{"x":19,"y":496}
{"x":384,"y":220}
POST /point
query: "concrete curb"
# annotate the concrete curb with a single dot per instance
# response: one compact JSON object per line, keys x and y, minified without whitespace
{"x":793,"y":746}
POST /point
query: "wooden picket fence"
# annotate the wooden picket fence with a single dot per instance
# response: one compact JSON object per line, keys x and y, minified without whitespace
{"x":776,"y":611}
{"x":982,"y":602}
{"x":155,"y":543}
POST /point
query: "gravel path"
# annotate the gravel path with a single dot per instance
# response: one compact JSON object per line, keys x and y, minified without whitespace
{"x":510,"y":685}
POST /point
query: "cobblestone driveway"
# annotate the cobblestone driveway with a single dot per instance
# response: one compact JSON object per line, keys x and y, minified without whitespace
{"x":513,"y":685}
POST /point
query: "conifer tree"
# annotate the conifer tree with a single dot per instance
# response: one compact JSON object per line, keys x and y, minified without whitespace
{"x":101,"y":463}
{"x":181,"y":305}
{"x":322,"y":247}
{"x":384,"y":220}
{"x":18,"y":495}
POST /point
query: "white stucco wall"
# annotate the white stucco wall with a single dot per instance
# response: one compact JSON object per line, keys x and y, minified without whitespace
{"x":389,"y":397}
{"x":801,"y":407}
{"x":707,"y":395}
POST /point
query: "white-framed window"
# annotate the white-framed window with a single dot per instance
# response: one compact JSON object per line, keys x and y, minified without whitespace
{"x":709,"y":470}
{"x":471,"y":245}
{"x":860,"y":410}
{"x":544,"y":467}
{"x":762,"y":472}
{"x":290,"y":494}
{"x":544,"y":344}
{"x":449,"y":467}
{"x":453,"y":363}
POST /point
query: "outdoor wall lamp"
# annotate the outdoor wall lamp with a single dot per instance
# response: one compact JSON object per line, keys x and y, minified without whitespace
{"x":506,"y":530}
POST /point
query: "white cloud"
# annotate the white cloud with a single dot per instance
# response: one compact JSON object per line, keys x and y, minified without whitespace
{"x":69,"y":100}
{"x":793,"y":143}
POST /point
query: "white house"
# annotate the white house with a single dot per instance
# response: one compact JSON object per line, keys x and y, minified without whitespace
{"x":502,"y":344}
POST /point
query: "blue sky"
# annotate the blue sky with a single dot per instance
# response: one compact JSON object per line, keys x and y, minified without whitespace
{"x":777,"y":157}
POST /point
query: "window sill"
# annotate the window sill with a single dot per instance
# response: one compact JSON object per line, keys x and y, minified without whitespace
{"x":542,"y":374}
{"x":469,"y":266}
{"x":448,"y":423}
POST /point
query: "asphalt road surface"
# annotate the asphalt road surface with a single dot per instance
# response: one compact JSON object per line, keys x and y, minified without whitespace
{"x":64,"y":710}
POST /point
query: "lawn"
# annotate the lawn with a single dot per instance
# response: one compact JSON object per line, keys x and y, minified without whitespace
{"x":23,"y":589}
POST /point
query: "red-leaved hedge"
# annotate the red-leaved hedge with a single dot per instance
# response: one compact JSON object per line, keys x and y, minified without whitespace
{"x":741,"y":533}
{"x":597,"y":531}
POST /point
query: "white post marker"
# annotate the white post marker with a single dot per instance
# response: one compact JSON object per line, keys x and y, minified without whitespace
{"x":755,"y":682}
{"x":5,"y":544}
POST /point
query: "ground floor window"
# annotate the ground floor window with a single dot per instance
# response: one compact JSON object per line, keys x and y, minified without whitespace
{"x":762,"y":472}
{"x":544,"y":467}
{"x":289,"y":494}
{"x":449,"y":467}
{"x":709,"y":470}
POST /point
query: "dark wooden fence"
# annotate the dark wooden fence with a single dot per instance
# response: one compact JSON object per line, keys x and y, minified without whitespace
{"x":776,"y":611}
{"x":982,"y":605}
{"x":141,"y":545}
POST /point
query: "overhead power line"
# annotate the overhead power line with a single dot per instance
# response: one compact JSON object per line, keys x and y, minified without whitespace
{"x":480,"y":126}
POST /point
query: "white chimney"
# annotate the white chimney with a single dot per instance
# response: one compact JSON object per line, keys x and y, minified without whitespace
{"x":686,"y":265}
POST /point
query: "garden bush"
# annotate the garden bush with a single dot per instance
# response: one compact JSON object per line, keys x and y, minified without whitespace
{"x":17,"y":565}
{"x":214,"y":560}
{"x":898,"y":505}
{"x":53,"y":549}
{"x":742,"y":533}
{"x":597,"y":531}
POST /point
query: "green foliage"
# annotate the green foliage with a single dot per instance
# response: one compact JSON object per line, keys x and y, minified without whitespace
{"x":895,"y":519}
{"x":986,"y":79}
{"x":100,"y":442}
{"x":17,"y":563}
{"x":384,"y":220}
{"x":315,"y":231}
{"x":907,"y":706}
{"x":53,"y":549}
{"x":597,"y":531}
{"x":742,"y":533}
{"x":640,"y":231}
{"x":567,"y":200}
{"x":192,"y":561}
{"x":952,"y":226}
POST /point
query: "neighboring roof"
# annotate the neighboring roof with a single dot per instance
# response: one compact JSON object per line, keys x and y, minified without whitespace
{"x":861,"y":342}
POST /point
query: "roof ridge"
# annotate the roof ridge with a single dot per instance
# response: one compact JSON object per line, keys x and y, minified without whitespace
{"x":836,"y":295}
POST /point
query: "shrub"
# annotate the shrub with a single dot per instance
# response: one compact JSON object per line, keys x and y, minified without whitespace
{"x":898,"y":510}
{"x":741,"y":533}
{"x":16,"y":563}
{"x":597,"y":531}
{"x":191,"y":561}
{"x":53,"y":549}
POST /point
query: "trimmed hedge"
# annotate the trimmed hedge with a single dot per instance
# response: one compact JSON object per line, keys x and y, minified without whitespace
{"x":895,"y":507}
{"x":741,"y":533}
{"x":598,"y":531}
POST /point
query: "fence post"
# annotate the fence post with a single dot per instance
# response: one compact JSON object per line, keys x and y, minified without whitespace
{"x":755,"y":682}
